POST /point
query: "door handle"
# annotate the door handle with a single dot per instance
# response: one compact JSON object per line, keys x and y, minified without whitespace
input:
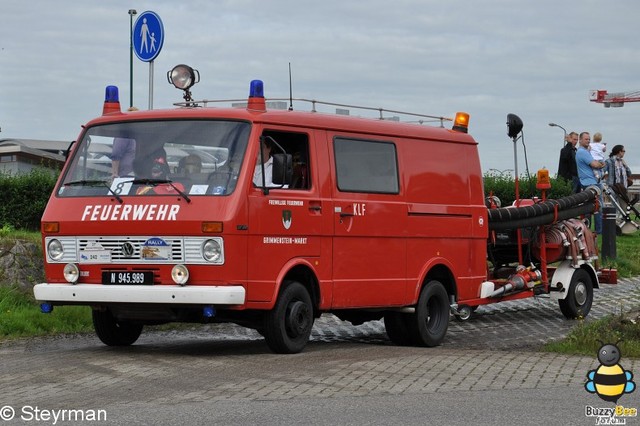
{"x":315,"y":206}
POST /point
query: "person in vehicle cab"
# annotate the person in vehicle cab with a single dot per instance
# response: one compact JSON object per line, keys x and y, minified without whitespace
{"x":267,"y":160}
{"x":190,"y":164}
{"x":122,"y":153}
{"x":224,"y":178}
{"x":155,"y":168}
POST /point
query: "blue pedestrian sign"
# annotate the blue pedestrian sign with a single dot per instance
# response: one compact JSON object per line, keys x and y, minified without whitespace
{"x":148,"y":36}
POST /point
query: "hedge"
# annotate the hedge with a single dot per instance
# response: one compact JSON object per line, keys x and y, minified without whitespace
{"x":503,"y":186}
{"x":24,"y":197}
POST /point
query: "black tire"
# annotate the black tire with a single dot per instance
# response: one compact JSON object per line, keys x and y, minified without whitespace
{"x":287,"y":326}
{"x":578,"y":302}
{"x":112,"y":332}
{"x":428,"y":325}
{"x":395,"y":324}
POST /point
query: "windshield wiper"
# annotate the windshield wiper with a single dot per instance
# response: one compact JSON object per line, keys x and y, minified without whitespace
{"x":94,"y":183}
{"x":155,"y":182}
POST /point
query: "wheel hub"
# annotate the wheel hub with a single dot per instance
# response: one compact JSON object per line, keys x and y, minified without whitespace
{"x":297,"y":320}
{"x":580,"y":293}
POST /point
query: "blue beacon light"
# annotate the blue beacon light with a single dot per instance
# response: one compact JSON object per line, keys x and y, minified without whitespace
{"x":256,"y":100}
{"x":111,"y":94}
{"x":256,"y":89}
{"x":111,"y":100}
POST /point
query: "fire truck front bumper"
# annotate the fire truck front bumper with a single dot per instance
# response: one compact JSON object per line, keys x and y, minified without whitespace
{"x":155,"y":294}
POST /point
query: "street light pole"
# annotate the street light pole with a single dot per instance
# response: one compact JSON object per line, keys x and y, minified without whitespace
{"x":131,"y":13}
{"x":565,"y":132}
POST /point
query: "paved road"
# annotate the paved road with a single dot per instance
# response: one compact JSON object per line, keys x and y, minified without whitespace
{"x":488,"y":371}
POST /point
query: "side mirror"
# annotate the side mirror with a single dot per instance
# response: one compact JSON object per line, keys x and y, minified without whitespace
{"x":282,"y":172}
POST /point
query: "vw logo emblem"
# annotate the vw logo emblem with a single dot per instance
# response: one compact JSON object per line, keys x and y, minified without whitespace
{"x":127,"y":249}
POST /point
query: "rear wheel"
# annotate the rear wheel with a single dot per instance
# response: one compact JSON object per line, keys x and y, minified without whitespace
{"x":288,"y":325}
{"x":428,"y":325}
{"x":112,"y":332}
{"x":578,"y":302}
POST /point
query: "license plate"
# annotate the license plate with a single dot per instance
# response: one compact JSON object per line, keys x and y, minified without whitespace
{"x":127,"y":277}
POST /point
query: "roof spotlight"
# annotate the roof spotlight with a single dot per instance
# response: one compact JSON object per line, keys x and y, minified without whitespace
{"x":514,"y":126}
{"x":183,"y":77}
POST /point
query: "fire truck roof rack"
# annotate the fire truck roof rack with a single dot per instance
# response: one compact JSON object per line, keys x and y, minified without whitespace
{"x":422,"y":118}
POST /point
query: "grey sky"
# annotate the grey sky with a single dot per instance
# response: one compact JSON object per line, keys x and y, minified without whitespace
{"x":537,"y":59}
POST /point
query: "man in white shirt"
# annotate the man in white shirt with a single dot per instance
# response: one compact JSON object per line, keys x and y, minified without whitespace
{"x":265,"y":145}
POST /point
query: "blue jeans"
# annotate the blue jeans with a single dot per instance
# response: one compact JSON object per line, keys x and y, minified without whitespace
{"x":575,"y":184}
{"x":598,"y":217}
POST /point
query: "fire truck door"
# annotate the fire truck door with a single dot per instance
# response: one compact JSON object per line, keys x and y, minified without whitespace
{"x":369,"y":247}
{"x":286,"y":224}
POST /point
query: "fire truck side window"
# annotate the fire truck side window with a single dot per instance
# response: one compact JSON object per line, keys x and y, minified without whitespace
{"x":366,"y":166}
{"x":296,"y":144}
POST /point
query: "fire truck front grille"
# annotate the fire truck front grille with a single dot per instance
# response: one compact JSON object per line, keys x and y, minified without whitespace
{"x":131,"y":250}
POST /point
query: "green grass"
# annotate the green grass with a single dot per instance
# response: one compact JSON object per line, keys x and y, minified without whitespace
{"x":588,"y":336}
{"x":627,"y":261}
{"x":20,"y":316}
{"x":8,"y":236}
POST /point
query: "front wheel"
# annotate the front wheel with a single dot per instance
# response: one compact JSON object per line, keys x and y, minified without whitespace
{"x":287,"y":326}
{"x":428,"y":325}
{"x":112,"y":332}
{"x":578,"y":302}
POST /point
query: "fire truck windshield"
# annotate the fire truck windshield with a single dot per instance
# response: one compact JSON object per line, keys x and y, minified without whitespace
{"x":169,"y":157}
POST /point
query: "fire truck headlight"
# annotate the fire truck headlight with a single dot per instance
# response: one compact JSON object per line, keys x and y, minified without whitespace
{"x":71,"y":273}
{"x":55,"y":250}
{"x":212,"y":251}
{"x":180,"y":274}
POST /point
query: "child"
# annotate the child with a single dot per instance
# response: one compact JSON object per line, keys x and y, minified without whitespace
{"x":597,"y":149}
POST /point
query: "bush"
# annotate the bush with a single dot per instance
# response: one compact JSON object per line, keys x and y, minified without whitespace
{"x":503,"y":186}
{"x":24,"y":198}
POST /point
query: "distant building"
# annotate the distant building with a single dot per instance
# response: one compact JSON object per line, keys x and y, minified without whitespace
{"x":22,"y":155}
{"x":269,"y":104}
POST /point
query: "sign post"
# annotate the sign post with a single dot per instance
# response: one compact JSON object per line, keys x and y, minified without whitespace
{"x":148,"y":38}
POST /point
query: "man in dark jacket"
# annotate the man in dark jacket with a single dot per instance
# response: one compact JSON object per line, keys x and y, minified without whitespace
{"x":567,"y":166}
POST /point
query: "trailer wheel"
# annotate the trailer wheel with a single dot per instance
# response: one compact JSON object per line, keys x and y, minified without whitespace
{"x":428,"y":325}
{"x":288,"y":325}
{"x":578,"y":302}
{"x":112,"y":332}
{"x":465,"y":313}
{"x":395,"y":324}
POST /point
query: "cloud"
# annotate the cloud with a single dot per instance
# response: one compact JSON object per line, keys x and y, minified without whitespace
{"x":536,"y":59}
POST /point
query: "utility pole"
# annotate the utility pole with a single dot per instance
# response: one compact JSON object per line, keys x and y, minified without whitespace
{"x":131,"y":13}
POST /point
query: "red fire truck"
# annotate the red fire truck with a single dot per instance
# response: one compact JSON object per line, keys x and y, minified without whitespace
{"x":283,"y":215}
